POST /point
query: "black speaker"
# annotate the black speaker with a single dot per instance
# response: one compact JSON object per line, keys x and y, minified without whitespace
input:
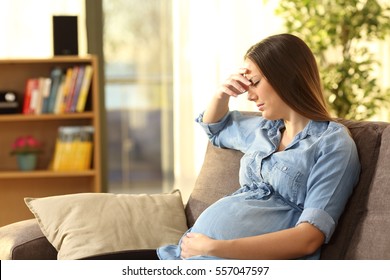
{"x":65,"y":36}
{"x":9,"y":103}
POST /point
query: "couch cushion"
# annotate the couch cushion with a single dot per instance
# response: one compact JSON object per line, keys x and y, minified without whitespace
{"x":218,"y":177}
{"x":371,"y":235}
{"x":88,"y":224}
{"x":367,"y":136}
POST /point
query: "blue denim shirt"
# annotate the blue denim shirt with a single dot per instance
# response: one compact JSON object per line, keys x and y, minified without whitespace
{"x":310,"y":181}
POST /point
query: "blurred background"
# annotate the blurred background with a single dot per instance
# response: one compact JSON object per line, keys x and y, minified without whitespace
{"x":161,"y":61}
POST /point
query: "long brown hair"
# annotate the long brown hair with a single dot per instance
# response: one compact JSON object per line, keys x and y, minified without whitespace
{"x":290,"y":67}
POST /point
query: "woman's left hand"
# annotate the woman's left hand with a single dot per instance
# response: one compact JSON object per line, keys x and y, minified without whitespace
{"x":195,"y":244}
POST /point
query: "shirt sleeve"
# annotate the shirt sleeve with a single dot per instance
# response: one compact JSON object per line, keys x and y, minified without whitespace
{"x":331,"y":181}
{"x":233,"y":131}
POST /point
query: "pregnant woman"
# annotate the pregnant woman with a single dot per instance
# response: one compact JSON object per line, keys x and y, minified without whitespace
{"x":299,"y":165}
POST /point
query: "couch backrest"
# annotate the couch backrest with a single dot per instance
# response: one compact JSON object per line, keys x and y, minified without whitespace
{"x":219,"y":177}
{"x":368,"y":137}
{"x":370,"y":235}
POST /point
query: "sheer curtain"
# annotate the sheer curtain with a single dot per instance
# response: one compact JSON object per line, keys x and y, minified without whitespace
{"x":210,"y":40}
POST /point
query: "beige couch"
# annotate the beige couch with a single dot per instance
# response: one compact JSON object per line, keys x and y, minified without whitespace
{"x":362,"y":232}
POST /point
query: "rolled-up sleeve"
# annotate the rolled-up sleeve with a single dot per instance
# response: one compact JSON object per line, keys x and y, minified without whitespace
{"x":212,"y":129}
{"x":233,"y":131}
{"x":320,"y":219}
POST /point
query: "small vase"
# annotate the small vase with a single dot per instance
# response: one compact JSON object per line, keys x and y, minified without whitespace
{"x":27,"y":162}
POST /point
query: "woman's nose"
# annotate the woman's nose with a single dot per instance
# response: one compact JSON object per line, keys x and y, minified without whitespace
{"x":251,"y":96}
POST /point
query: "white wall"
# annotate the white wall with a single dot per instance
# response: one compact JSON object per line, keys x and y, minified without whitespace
{"x":26,"y":26}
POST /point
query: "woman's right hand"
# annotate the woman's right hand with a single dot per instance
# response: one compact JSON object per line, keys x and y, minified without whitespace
{"x":235,"y":85}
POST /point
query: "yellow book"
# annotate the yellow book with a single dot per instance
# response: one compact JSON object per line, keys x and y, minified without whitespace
{"x":61,"y":103}
{"x":64,"y":149}
{"x":85,"y":147}
{"x":76,"y":156}
{"x":73,"y":148}
{"x":82,"y":155}
{"x":67,"y":157}
{"x":82,"y":98}
{"x":57,"y":155}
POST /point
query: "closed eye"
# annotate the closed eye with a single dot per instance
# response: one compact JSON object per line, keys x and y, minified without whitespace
{"x":255,"y":83}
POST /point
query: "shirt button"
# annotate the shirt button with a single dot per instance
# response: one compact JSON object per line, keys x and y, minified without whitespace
{"x":284,"y":168}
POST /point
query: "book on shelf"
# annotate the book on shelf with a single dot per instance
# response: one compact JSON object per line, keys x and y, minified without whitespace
{"x":72,"y":88}
{"x":86,"y":84}
{"x":65,"y":91}
{"x":41,"y":95}
{"x":73,"y":149}
{"x":31,"y":86}
{"x":49,"y":102}
{"x":77,"y":87}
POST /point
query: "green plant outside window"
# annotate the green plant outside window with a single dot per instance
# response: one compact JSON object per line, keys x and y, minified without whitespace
{"x":339,"y":33}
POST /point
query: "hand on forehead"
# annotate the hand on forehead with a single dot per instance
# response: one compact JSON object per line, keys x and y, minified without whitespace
{"x":250,"y":70}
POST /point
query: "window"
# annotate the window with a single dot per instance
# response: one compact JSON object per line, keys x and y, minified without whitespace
{"x":138,"y":94}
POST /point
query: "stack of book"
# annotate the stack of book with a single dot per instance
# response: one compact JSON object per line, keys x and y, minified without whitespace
{"x":62,"y":92}
{"x":73,"y":150}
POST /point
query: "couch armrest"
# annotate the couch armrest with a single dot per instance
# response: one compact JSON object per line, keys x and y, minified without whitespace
{"x":25,"y":241}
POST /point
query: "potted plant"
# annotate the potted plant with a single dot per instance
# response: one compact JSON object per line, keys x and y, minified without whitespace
{"x":340,"y":33}
{"x":26,"y":149}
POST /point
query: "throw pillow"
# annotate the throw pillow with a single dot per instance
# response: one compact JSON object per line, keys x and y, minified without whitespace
{"x":89,"y":224}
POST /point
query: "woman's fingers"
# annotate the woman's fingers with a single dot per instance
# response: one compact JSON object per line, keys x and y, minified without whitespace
{"x":236,"y":84}
{"x":243,"y":70}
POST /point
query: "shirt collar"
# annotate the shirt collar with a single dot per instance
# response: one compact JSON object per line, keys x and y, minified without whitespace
{"x":312,"y":127}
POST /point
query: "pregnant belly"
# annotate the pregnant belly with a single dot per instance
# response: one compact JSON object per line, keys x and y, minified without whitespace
{"x":245,"y":215}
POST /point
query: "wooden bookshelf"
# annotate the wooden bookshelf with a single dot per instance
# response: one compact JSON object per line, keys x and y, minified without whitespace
{"x":15,"y":184}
